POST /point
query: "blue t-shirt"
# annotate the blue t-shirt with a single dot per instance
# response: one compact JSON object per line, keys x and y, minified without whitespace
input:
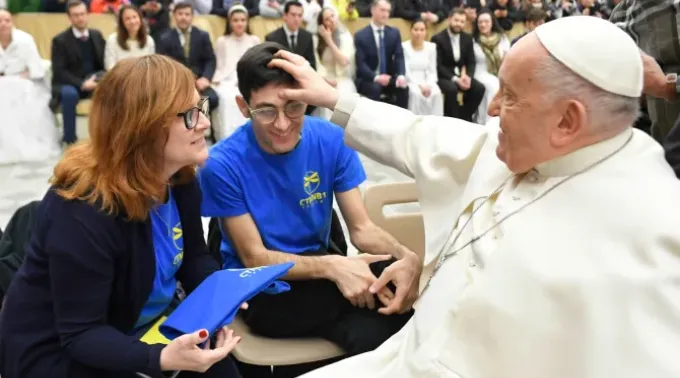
{"x":168,"y":245}
{"x":289,"y":196}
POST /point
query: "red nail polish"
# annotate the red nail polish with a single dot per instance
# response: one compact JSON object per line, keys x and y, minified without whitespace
{"x":203,"y":334}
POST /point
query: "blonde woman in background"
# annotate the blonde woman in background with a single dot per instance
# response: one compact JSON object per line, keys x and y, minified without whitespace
{"x":229,"y":48}
{"x":335,"y":54}
{"x":425,"y":97}
{"x":130,"y":40}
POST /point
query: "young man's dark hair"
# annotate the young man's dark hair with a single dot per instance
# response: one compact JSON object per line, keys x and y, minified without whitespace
{"x":293,"y":3}
{"x":72,"y":4}
{"x":253,"y":73}
{"x":182,"y":5}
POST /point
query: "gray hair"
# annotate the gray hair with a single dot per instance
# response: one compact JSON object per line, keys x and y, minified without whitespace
{"x":607,"y":112}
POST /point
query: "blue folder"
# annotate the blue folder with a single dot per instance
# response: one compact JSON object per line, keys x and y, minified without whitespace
{"x":215,"y":302}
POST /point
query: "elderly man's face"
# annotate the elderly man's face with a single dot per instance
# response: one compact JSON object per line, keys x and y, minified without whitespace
{"x":528,"y":124}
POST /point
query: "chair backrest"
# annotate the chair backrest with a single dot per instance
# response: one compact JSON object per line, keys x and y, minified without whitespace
{"x":407,"y":228}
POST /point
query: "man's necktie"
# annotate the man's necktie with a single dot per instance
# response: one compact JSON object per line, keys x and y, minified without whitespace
{"x":292,"y":42}
{"x":383,"y":54}
{"x":187,"y":43}
{"x":83,"y":38}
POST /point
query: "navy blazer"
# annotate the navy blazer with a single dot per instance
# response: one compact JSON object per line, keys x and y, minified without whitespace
{"x":201,"y":54}
{"x":82,"y":286}
{"x":366,"y":55}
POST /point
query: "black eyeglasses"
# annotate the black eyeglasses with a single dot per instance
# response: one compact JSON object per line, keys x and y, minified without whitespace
{"x":191,"y":116}
{"x":268,"y":114}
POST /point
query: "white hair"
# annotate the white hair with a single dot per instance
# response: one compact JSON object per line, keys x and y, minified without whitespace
{"x":607,"y":112}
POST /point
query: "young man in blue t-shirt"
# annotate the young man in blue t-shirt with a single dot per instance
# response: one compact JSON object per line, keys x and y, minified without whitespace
{"x":272,"y":184}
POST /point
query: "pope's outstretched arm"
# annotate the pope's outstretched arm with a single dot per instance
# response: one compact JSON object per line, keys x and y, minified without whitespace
{"x":385,"y":133}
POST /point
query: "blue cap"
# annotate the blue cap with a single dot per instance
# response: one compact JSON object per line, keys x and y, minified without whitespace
{"x":215,"y":302}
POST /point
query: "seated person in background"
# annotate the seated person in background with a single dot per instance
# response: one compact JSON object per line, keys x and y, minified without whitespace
{"x":28,"y":132}
{"x":428,"y":11}
{"x":229,"y":48}
{"x":130,"y":40}
{"x":347,"y":9}
{"x":336,"y":55}
{"x":119,"y":228}
{"x":271,"y":8}
{"x":192,"y":47}
{"x":505,"y":13}
{"x":380,"y":59}
{"x":292,"y":36}
{"x":272,"y":184}
{"x":534,"y":19}
{"x":221,"y":7}
{"x":491,"y":45}
{"x":425,"y":97}
{"x":590,"y":8}
{"x":156,"y":16}
{"x":106,"y":6}
{"x":551,"y":10}
{"x":77,"y":64}
{"x":456,"y":68}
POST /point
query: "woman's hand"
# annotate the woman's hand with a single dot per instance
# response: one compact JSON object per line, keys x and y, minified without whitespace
{"x":183,"y":353}
{"x":324,"y":32}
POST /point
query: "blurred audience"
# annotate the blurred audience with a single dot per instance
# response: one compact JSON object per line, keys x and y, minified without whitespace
{"x":505,"y":13}
{"x":428,"y":11}
{"x":192,"y":47}
{"x":77,"y":65}
{"x":106,"y":6}
{"x":380,"y":59}
{"x":425,"y":97}
{"x":229,"y":48}
{"x":130,"y":40}
{"x":28,"y":131}
{"x":156,"y":16}
{"x":221,"y":7}
{"x":490,"y":47}
{"x":336,"y":55}
{"x":456,"y":65}
{"x":534,"y":18}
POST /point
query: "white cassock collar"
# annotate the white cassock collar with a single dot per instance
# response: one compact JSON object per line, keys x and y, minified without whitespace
{"x":582,"y":158}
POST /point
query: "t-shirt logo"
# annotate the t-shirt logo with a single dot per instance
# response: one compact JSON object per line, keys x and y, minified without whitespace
{"x":178,"y":241}
{"x":311,"y":182}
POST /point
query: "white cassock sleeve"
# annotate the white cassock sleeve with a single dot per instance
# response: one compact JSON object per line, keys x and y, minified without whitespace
{"x":407,"y":142}
{"x":439,"y":152}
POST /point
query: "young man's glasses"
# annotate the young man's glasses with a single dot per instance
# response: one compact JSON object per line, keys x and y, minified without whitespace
{"x":191,"y":116}
{"x":268,"y":114}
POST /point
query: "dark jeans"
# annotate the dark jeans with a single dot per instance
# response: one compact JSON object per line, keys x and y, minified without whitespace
{"x":69,"y":97}
{"x":317,"y":308}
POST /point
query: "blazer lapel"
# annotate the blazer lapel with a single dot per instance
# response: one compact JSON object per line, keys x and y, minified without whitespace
{"x":449,"y":47}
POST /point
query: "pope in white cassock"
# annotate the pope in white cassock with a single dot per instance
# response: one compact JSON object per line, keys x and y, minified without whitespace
{"x":556,"y":230}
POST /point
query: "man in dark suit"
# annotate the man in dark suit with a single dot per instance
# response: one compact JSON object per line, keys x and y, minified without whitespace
{"x":192,"y":47}
{"x":77,"y":64}
{"x":293,"y":36}
{"x":535,"y":18}
{"x":380,"y":59}
{"x":456,"y":69}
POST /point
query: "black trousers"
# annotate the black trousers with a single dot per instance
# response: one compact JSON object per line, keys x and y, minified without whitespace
{"x":471,"y":99}
{"x":317,"y":308}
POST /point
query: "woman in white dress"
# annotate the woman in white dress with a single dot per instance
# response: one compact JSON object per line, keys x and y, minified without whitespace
{"x":425,"y":97}
{"x":490,"y":47}
{"x":131,"y":39}
{"x":335,"y":53}
{"x":28,"y":130}
{"x":229,"y":48}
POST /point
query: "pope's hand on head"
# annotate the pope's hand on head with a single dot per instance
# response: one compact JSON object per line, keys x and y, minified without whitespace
{"x":313,"y":88}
